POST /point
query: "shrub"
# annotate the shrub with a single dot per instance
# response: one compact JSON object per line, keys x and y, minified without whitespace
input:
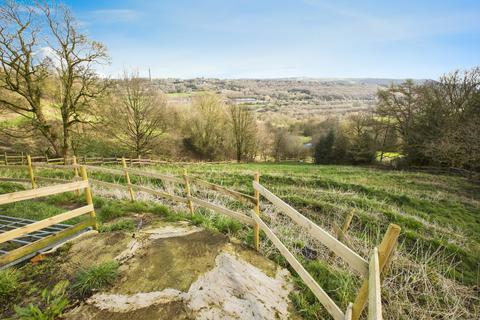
{"x":95,"y":278}
{"x":54,"y":303}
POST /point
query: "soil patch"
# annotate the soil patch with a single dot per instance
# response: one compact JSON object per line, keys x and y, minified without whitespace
{"x":170,"y":263}
{"x":93,"y":249}
{"x":233,"y":289}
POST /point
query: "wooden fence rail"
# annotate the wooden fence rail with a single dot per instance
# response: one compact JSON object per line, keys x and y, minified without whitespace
{"x":41,"y":192}
{"x":351,"y":257}
{"x":15,"y":233}
{"x":321,"y":295}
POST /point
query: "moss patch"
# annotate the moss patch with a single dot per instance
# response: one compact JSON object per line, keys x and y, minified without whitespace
{"x":171,"y":263}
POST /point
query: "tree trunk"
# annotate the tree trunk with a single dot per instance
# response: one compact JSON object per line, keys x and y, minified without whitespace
{"x":47,"y":131}
{"x":66,"y":149}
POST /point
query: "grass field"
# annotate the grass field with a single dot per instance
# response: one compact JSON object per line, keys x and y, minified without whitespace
{"x":437,"y":210}
{"x":439,"y":216}
{"x":436,"y":271}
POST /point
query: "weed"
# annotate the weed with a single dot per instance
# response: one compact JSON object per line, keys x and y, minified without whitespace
{"x":53,"y":304}
{"x":95,"y":278}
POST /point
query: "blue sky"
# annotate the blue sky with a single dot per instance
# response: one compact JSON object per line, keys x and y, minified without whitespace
{"x":285,"y":38}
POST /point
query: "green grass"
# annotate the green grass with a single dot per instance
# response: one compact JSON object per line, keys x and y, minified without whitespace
{"x":96,"y":277}
{"x":14,"y":122}
{"x":437,"y":211}
{"x":215,"y":222}
{"x":338,"y":284}
{"x":123,"y":224}
{"x":434,"y":211}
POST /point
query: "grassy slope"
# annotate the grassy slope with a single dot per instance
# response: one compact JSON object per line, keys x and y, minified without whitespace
{"x":433,"y":210}
{"x":436,"y":212}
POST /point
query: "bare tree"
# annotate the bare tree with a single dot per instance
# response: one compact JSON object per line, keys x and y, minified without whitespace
{"x":74,"y":61}
{"x":244,"y":131}
{"x":264,"y":141}
{"x":22,"y":76}
{"x":138,"y":117}
{"x":279,"y":144}
{"x":207,"y":127}
{"x":26,"y":32}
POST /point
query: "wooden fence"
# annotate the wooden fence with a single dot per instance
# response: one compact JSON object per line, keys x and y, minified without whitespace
{"x":20,"y":159}
{"x":370,"y":270}
{"x":14,"y":233}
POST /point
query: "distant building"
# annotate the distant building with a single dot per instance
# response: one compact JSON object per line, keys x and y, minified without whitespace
{"x":243,"y":100}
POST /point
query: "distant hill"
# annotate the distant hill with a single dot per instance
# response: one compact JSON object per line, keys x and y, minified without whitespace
{"x":287,"y":98}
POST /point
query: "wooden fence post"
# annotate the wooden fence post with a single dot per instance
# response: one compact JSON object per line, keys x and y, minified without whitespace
{"x":89,"y":199}
{"x":346,"y":225}
{"x":75,"y":172}
{"x":256,"y":229}
{"x":75,"y":169}
{"x":30,"y":171}
{"x":374,"y":288}
{"x":127,"y":177}
{"x":187,"y":191}
{"x":6,"y":158}
{"x":341,"y":234}
{"x":385,"y":251}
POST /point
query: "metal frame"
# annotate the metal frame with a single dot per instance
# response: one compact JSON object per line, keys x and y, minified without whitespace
{"x":8,"y":223}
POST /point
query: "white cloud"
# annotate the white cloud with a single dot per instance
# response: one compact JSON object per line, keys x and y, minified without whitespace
{"x":47,"y":53}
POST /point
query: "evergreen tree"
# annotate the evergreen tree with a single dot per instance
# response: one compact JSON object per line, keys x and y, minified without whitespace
{"x":324,"y":148}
